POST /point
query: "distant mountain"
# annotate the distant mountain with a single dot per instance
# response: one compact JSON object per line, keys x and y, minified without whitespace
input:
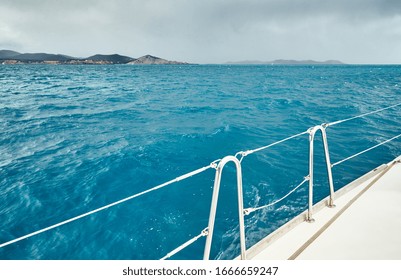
{"x":287,"y":62}
{"x":12,"y":57}
{"x":6,"y":54}
{"x":41,"y":57}
{"x":114,"y":58}
{"x":149,"y":59}
{"x":283,"y":61}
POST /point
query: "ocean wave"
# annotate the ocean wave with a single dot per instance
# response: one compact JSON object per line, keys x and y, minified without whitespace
{"x":73,"y":140}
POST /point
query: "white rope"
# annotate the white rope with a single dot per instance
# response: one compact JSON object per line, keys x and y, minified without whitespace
{"x":250,"y":210}
{"x":187,"y":175}
{"x":245,"y":153}
{"x":363,"y":115}
{"x":204,"y":232}
{"x":364,"y":151}
{"x":212,"y":165}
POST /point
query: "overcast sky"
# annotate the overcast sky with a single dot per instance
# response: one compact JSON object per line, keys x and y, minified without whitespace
{"x":207,"y":31}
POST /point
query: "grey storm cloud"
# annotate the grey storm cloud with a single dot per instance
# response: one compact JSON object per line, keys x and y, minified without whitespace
{"x":356,"y":31}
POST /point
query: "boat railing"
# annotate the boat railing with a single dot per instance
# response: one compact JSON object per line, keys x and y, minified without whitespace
{"x":212,"y":217}
{"x":237,"y":159}
{"x":312,"y":131}
{"x":218,"y":165}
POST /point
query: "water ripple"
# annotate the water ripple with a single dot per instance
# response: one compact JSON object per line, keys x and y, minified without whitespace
{"x":73,"y":138}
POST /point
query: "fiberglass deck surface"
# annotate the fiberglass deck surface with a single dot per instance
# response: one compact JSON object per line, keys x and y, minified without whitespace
{"x":365,"y":224}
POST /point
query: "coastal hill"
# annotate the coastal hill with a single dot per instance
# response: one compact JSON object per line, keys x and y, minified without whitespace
{"x":13,"y":57}
{"x":41,"y":57}
{"x":287,"y":62}
{"x":114,"y":58}
{"x":149,"y":59}
{"x":6,"y":54}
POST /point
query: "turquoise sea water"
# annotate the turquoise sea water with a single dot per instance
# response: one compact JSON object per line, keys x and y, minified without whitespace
{"x":74,"y":138}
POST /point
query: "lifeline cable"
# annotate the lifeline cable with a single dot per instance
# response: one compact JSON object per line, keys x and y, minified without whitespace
{"x":187,"y":175}
{"x":200,"y":170}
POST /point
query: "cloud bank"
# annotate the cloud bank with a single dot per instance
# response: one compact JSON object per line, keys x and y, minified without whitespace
{"x":208,"y":31}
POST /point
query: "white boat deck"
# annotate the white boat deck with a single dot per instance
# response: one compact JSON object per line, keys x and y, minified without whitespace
{"x":364,"y":225}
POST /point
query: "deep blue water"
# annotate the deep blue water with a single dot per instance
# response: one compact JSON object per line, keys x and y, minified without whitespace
{"x":74,"y":138}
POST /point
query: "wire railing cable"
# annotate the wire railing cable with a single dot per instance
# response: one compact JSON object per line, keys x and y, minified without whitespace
{"x":253,"y":209}
{"x":366,"y":150}
{"x":186,"y":244}
{"x":363,"y":115}
{"x":180,"y":178}
{"x":200,"y":170}
{"x":307,"y":178}
{"x":248,"y":152}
